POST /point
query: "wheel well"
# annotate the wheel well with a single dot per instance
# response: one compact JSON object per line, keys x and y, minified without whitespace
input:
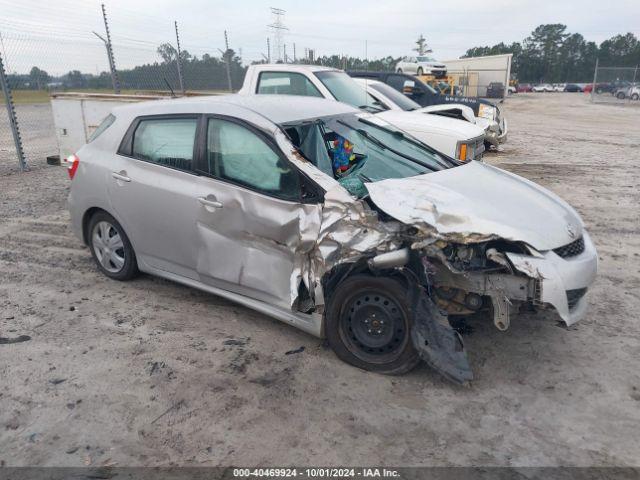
{"x":334,"y":277}
{"x":86,"y":218}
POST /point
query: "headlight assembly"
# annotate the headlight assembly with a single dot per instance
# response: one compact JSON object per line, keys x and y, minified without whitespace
{"x":487,"y":111}
{"x":470,"y":150}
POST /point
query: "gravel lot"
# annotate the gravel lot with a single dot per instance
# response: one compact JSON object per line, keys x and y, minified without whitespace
{"x":153,"y":373}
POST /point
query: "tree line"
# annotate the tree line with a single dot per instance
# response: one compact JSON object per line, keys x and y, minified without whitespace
{"x":548,"y":54}
{"x":199,"y":73}
{"x":551,"y":54}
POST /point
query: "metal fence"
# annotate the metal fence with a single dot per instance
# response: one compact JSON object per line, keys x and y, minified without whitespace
{"x":616,"y":85}
{"x":476,"y":82}
{"x":110,"y":55}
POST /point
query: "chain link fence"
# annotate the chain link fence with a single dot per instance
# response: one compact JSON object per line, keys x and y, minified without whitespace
{"x":96,"y":55}
{"x":616,"y":85}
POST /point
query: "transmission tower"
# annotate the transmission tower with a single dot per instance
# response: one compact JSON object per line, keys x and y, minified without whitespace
{"x":278,"y":28}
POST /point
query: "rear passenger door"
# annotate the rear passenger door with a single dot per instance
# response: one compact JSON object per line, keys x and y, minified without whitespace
{"x":152,"y":188}
{"x":254,"y":221}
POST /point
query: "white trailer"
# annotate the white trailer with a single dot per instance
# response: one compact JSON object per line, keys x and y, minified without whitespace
{"x":483,"y":70}
{"x":77,"y":115}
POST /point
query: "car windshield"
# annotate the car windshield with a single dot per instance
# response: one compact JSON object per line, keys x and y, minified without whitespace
{"x":346,"y":90}
{"x":395,"y":96}
{"x":360,"y":148}
{"x":426,"y":59}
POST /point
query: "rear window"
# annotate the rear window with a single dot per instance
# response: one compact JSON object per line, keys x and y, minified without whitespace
{"x":106,"y":123}
{"x":286,"y":83}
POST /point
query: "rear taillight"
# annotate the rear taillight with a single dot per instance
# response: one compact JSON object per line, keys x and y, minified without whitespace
{"x":72,"y":161}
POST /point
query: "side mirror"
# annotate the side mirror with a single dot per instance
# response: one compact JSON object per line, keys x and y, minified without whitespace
{"x":409,"y":87}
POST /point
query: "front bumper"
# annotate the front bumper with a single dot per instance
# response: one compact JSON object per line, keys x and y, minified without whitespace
{"x":495,"y":132}
{"x":436,"y":72}
{"x":559,"y":278}
{"x":502,"y":135}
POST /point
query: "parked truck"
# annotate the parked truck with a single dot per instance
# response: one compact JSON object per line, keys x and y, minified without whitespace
{"x":456,"y":138}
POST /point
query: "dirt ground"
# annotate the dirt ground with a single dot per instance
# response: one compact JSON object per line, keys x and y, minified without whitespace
{"x":153,"y":373}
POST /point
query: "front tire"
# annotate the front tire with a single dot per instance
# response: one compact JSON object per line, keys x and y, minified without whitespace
{"x":635,"y":96}
{"x":111,"y":248}
{"x":621,"y":96}
{"x":368,"y":325}
{"x":399,"y":70}
{"x":420,"y":71}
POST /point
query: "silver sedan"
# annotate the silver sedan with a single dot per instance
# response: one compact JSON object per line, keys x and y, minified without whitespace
{"x":326,"y":218}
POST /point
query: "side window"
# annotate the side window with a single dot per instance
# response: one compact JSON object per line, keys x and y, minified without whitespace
{"x":239,"y":155}
{"x":396,"y":81}
{"x":286,"y":83}
{"x":166,"y":141}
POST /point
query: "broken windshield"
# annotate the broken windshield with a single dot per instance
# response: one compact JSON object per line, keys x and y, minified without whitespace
{"x":360,"y":148}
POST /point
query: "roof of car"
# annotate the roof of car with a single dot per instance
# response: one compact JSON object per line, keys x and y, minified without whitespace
{"x":366,"y":73}
{"x":289,"y":67}
{"x":277,"y":108}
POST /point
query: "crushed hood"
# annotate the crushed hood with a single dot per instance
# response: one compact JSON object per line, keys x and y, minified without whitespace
{"x":477,"y":201}
{"x":465,"y":112}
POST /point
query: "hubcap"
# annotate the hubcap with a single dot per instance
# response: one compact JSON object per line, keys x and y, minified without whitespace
{"x":108,"y":246}
{"x":374,"y":325}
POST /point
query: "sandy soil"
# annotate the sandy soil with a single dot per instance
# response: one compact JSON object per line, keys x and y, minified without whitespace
{"x":152,"y":373}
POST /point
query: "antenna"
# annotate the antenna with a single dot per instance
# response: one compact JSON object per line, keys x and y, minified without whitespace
{"x":278,"y":29}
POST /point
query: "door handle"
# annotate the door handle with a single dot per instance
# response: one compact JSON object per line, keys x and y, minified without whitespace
{"x":121,"y":176}
{"x":209,"y":203}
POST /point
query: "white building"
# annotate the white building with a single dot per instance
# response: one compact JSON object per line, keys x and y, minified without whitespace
{"x":480,"y":72}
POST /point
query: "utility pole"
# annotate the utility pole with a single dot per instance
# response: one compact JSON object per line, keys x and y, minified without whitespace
{"x":595,"y":76}
{"x":278,"y":29}
{"x":295,"y":60}
{"x":108,"y":46}
{"x":268,"y":51}
{"x":284,"y":53}
{"x":179,"y":59}
{"x":227,"y":60}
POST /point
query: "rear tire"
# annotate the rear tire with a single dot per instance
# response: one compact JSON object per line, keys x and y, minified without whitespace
{"x":368,"y":325}
{"x":111,"y":248}
{"x":621,"y":96}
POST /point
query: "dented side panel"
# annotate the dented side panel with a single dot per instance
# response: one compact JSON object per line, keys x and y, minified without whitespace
{"x":254,"y":244}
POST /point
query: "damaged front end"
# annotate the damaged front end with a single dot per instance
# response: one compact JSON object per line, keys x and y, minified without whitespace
{"x":461,"y":241}
{"x":451,"y":275}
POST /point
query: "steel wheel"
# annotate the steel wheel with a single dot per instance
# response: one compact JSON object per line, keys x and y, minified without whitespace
{"x":374,"y":327}
{"x":108,"y":246}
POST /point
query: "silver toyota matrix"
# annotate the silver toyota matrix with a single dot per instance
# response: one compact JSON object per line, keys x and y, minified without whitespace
{"x":329,"y":219}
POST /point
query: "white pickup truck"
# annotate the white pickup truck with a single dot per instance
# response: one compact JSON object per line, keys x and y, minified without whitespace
{"x":456,"y":138}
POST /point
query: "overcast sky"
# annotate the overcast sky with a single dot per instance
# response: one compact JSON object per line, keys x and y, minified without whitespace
{"x":57,"y":35}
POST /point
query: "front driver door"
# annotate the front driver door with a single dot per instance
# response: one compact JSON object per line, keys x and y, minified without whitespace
{"x":253,"y":228}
